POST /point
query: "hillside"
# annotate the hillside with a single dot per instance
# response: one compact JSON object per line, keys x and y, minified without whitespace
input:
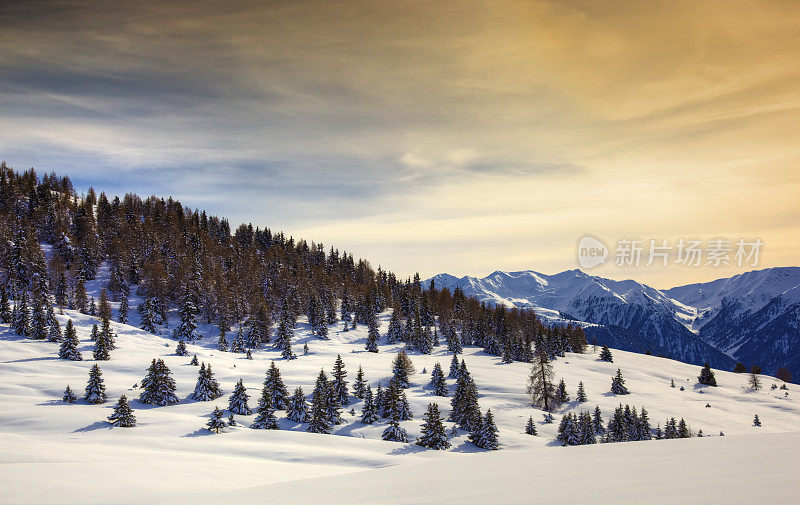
{"x":60,"y":449}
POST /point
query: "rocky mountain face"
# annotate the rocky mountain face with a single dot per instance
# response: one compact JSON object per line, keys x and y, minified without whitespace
{"x":753,"y":317}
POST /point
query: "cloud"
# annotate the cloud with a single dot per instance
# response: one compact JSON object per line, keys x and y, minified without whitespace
{"x":499,"y":133}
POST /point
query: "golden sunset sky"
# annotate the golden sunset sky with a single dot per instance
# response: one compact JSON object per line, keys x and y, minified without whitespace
{"x":455,"y":136}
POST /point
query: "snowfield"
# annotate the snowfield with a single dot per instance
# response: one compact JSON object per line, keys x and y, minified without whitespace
{"x":54,"y":452}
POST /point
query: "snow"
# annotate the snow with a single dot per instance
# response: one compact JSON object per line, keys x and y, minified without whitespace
{"x":746,"y":469}
{"x":55,"y":452}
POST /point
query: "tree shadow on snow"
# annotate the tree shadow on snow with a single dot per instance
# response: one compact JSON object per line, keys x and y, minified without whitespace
{"x":28,"y":360}
{"x":199,"y":432}
{"x":408,"y":448}
{"x":97,"y":425}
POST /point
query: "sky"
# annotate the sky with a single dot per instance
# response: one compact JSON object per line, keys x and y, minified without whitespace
{"x":453,"y":136}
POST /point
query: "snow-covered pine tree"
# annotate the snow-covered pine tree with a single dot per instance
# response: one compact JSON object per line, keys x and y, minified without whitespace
{"x":597,"y":421}
{"x":404,"y":409}
{"x":605,"y":354}
{"x":618,"y":384}
{"x":216,"y":423}
{"x":437,"y":381}
{"x":683,"y":429}
{"x":369,"y":411}
{"x":260,"y":327}
{"x":265,"y":420}
{"x":659,"y":433}
{"x":5,"y":306}
{"x":180,"y":349}
{"x":69,"y":395}
{"x":207,"y":387}
{"x":148,"y":321}
{"x":756,"y":421}
{"x":159,"y":386}
{"x":95,"y":388}
{"x":402,"y":369}
{"x":395,"y":331}
{"x":644,"y":426}
{"x":69,"y":345}
{"x":488,"y":432}
{"x":54,"y":329}
{"x":671,"y":428}
{"x":38,"y":326}
{"x":277,"y":389}
{"x":586,"y":429}
{"x":195,"y":361}
{"x":432,"y":433}
{"x":297,"y":410}
{"x":706,"y":376}
{"x":103,"y":343}
{"x":568,"y":433}
{"x":360,"y":384}
{"x":465,"y":411}
{"x":372,"y":334}
{"x":320,"y":421}
{"x":454,"y":367}
{"x":237,"y":403}
{"x":338,"y":383}
{"x":123,"y":414}
{"x":187,"y":328}
{"x":562,"y":396}
{"x":530,"y":427}
{"x":394,"y":432}
{"x":222,"y":341}
{"x":124,"y":307}
{"x":581,"y":397}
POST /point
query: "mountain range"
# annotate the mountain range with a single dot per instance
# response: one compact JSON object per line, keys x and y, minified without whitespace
{"x":753,"y":318}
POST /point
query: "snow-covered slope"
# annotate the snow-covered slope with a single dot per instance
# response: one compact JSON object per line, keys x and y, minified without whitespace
{"x":693,"y":471}
{"x":752,"y":317}
{"x":56,"y":452}
{"x":624,"y":314}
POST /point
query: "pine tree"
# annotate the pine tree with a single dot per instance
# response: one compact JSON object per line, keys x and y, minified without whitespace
{"x":5,"y":307}
{"x":754,"y":381}
{"x":707,"y":376}
{"x":562,"y":396}
{"x":586,"y":429}
{"x":360,"y":384}
{"x":102,"y":344}
{"x":402,"y":369}
{"x":95,"y":388}
{"x":238,"y":342}
{"x":605,"y":354}
{"x":124,"y":307}
{"x":222,"y":341}
{"x":372,"y":335}
{"x":159,"y":386}
{"x":597,"y":421}
{"x":756,"y":421}
{"x":69,"y":345}
{"x":540,"y":382}
{"x":237,"y":403}
{"x":659,"y":433}
{"x":465,"y":410}
{"x":194,"y":361}
{"x":394,"y":432}
{"x":265,"y":420}
{"x":187,"y":328}
{"x":432,"y":431}
{"x":180,"y":349}
{"x":530,"y":427}
{"x":395,"y":331}
{"x":69,"y":395}
{"x":147,"y":313}
{"x":207,"y":388}
{"x":670,"y":429}
{"x":454,"y":367}
{"x":618,"y":384}
{"x":683,"y":429}
{"x":644,"y":426}
{"x":437,"y":381}
{"x":368,"y":412}
{"x":216,"y":423}
{"x":339,"y":384}
{"x":277,"y":390}
{"x":297,"y":410}
{"x":123,"y":414}
{"x":568,"y":433}
{"x":581,"y":393}
{"x":320,"y":421}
